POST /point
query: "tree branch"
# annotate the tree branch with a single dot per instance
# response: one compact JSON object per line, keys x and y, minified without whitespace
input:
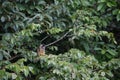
{"x":44,"y":39}
{"x":13,"y":57}
{"x":57,"y":39}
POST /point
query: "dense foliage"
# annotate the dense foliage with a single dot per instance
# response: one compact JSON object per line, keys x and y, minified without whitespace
{"x":89,"y":51}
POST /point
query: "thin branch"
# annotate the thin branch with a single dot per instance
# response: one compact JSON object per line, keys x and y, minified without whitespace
{"x":44,"y":39}
{"x":57,"y":39}
{"x":13,"y":57}
{"x":31,"y":19}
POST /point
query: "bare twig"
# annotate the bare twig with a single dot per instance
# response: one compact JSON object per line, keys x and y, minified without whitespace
{"x":31,"y":19}
{"x":57,"y":39}
{"x":43,"y":39}
{"x":13,"y":57}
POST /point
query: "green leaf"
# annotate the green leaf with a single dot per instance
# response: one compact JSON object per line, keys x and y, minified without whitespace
{"x":112,"y":52}
{"x":102,"y":0}
{"x":85,"y":2}
{"x":115,"y":12}
{"x":2,"y":73}
{"x":2,"y":19}
{"x":1,"y":56}
{"x":100,"y":6}
{"x":103,"y":51}
{"x":118,"y":17}
{"x":86,"y":46}
{"x":110,"y":4}
{"x":26,"y":1}
{"x":26,"y":72}
{"x":21,"y":7}
{"x":55,"y":30}
{"x":102,"y":73}
{"x":96,"y":48}
{"x":14,"y":76}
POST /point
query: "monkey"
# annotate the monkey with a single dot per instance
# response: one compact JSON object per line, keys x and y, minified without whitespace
{"x":41,"y":50}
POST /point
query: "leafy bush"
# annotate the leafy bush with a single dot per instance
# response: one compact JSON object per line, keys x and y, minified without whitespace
{"x":88,"y":50}
{"x":72,"y":65}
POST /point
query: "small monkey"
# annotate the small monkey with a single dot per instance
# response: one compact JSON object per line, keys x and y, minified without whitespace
{"x":41,"y":50}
